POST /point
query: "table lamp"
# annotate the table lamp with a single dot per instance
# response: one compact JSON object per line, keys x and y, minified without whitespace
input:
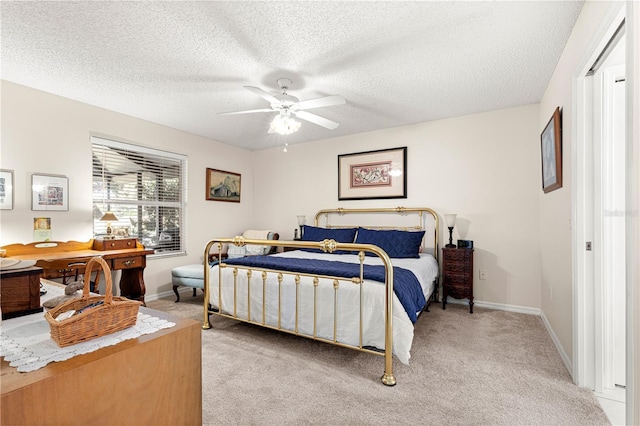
{"x":109,"y":217}
{"x":450,"y":219}
{"x":301,"y":220}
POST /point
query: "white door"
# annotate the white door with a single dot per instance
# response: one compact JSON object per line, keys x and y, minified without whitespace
{"x":609,"y":225}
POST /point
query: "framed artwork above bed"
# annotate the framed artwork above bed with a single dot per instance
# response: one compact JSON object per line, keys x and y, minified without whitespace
{"x":373,"y":174}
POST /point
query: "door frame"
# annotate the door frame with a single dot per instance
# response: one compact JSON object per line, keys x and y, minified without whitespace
{"x":582,"y":205}
{"x":580,"y":262}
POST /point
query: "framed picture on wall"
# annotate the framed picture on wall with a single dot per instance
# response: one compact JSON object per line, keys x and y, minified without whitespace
{"x":6,"y":189}
{"x":551,"y":150}
{"x":373,"y":174}
{"x":49,"y":192}
{"x":223,"y":186}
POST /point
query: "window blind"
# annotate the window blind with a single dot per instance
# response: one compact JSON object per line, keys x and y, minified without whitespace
{"x":145,"y":189}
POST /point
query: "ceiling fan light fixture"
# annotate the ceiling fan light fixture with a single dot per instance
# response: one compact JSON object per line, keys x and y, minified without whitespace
{"x":284,"y":124}
{"x":288,"y":106}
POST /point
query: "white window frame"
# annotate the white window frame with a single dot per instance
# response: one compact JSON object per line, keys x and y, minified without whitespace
{"x":105,"y":202}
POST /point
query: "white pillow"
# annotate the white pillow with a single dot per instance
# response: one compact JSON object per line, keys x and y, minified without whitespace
{"x":256,"y":250}
{"x":236,"y":251}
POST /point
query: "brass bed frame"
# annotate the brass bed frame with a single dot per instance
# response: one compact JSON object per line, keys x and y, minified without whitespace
{"x":327,"y":246}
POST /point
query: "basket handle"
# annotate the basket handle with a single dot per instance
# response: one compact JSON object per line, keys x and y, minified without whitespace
{"x":108,"y":295}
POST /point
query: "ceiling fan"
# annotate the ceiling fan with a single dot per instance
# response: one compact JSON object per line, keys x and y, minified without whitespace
{"x":287,"y":105}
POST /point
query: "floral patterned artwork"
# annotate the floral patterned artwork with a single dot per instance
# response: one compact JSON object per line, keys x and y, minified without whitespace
{"x":372,"y":174}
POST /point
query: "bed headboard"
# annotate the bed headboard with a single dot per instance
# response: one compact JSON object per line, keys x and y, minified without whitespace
{"x":401,"y":218}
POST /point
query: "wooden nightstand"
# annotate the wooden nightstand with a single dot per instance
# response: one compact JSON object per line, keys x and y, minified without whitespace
{"x":457,"y":275}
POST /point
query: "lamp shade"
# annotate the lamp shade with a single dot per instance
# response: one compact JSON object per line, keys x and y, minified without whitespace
{"x":108,"y":217}
{"x":301,"y":219}
{"x":450,"y":219}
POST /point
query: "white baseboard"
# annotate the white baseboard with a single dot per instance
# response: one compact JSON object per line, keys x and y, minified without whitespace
{"x":563,"y":355}
{"x":496,"y":306}
{"x":156,"y":296}
{"x":523,"y":310}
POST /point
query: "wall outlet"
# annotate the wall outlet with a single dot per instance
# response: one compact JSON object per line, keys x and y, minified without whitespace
{"x":483,"y":274}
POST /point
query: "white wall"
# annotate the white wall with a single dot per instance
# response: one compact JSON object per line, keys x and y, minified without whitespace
{"x":43,"y":133}
{"x":484,"y":167}
{"x":555,"y":207}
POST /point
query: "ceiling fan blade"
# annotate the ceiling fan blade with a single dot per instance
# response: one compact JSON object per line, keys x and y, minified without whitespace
{"x":316,"y":119}
{"x":264,"y":95}
{"x":249,"y":111}
{"x":321,"y":102}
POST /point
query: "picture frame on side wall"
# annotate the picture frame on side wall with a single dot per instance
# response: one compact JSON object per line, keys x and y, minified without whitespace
{"x":6,"y":189}
{"x":49,"y":192}
{"x":223,"y":186}
{"x":551,"y":150}
{"x":373,"y":174}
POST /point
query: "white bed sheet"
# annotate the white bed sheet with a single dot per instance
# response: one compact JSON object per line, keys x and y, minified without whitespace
{"x":425,"y":269}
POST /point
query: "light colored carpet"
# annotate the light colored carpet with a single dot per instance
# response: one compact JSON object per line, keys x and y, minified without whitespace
{"x":488,"y":368}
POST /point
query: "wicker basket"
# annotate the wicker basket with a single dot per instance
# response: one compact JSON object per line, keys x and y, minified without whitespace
{"x":114,"y":314}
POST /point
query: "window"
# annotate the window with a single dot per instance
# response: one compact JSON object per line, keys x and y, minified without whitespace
{"x":145,"y":189}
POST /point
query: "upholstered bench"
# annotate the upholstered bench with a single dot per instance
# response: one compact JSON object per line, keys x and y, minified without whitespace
{"x":188,"y":276}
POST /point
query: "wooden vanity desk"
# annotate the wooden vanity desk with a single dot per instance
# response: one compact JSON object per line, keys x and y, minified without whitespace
{"x":126,"y":255}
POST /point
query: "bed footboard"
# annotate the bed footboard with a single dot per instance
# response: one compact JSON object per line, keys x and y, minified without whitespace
{"x":262,"y":281}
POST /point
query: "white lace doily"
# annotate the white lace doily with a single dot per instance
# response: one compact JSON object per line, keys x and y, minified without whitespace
{"x":25,"y":342}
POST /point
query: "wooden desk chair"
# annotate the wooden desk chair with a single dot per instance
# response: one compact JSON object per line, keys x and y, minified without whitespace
{"x":67,"y":269}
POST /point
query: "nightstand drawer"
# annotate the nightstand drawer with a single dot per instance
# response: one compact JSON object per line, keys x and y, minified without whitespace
{"x":115,"y":244}
{"x":459,"y":292}
{"x":456,"y":267}
{"x":456,"y":279}
{"x":458,"y":255}
{"x":129,"y":262}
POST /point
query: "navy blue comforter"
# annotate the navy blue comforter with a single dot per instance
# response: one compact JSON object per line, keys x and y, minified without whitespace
{"x":405,"y":284}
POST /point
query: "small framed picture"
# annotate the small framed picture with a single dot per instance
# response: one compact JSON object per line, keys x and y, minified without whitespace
{"x":551,"y":149}
{"x":373,"y":174}
{"x":41,"y":229}
{"x":6,"y":189}
{"x":223,"y":186}
{"x":49,"y":192}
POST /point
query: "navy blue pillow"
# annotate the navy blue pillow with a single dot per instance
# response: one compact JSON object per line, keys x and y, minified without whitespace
{"x":398,"y":244}
{"x":341,"y":235}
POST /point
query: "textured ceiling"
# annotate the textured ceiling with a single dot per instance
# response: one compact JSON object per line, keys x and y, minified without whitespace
{"x":181,"y":63}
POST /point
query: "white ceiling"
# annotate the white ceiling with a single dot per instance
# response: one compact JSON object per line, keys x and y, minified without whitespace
{"x":181,"y":63}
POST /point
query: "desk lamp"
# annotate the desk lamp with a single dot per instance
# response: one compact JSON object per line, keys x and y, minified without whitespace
{"x":109,"y":217}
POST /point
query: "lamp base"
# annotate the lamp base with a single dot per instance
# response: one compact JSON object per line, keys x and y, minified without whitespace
{"x":450,"y":245}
